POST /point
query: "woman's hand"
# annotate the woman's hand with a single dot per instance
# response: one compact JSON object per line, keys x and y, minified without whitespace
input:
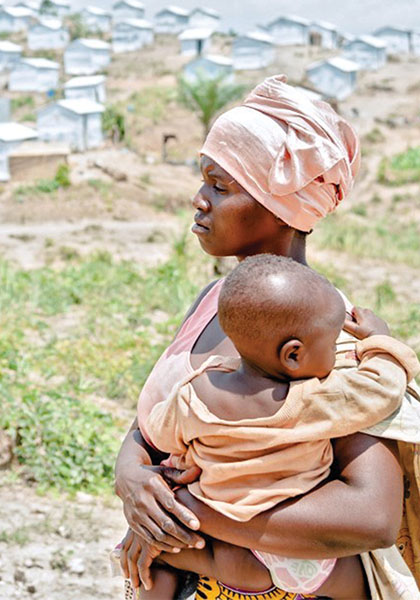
{"x":365,"y":323}
{"x":153,"y":512}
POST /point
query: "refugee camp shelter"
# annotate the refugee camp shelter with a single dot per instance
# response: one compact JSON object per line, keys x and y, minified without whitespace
{"x":58,"y":8}
{"x":211,"y":66}
{"x":86,"y":56}
{"x":9,"y":54}
{"x":127,"y":9}
{"x":323,"y":34}
{"x":48,"y":34}
{"x":15,"y":18}
{"x":12,"y":135}
{"x":77,"y":122}
{"x":334,"y":78}
{"x":4,"y":110}
{"x":253,"y":50}
{"x":34,"y":75}
{"x":289,"y":30}
{"x":96,"y":19}
{"x":171,"y":20}
{"x":132,"y":34}
{"x":398,"y":39}
{"x":415,"y":42}
{"x":32,"y":6}
{"x":203,"y":18}
{"x":367,"y":51}
{"x":195,"y":42}
{"x":91,"y":87}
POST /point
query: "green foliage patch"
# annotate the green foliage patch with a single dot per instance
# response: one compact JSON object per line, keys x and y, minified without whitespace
{"x":401,"y":169}
{"x":90,"y":329}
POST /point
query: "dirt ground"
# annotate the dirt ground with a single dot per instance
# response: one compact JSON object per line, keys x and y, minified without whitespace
{"x":130,"y":204}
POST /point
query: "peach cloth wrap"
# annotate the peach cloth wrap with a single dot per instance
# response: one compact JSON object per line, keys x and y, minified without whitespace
{"x":295,"y":156}
{"x":249,"y":465}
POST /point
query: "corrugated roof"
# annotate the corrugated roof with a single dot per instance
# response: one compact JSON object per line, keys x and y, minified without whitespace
{"x":396,"y":29}
{"x":195,"y":34}
{"x":39,"y":63}
{"x":10,"y":132}
{"x":92,"y":43}
{"x":54,"y":24}
{"x":371,"y":40}
{"x":258,"y":36}
{"x":131,"y":3}
{"x":207,"y":11}
{"x":81,"y":106}
{"x":325,"y":25}
{"x":137,"y":23}
{"x":97,"y":11}
{"x":6,"y":46}
{"x":291,"y":18}
{"x":343,"y":64}
{"x":218,"y":59}
{"x":17,"y":11}
{"x":88,"y":80}
{"x":176,"y":10}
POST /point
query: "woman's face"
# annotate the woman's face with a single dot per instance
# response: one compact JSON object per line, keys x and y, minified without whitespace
{"x":228,"y":221}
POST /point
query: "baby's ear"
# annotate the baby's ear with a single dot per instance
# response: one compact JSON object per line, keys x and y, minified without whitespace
{"x":290,"y":354}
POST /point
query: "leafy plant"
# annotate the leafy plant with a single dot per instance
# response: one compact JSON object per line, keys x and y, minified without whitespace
{"x":113,"y":123}
{"x":400,"y":169}
{"x":207,"y":96}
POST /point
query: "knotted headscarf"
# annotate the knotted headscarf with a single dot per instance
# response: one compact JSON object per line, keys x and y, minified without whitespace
{"x":295,"y":156}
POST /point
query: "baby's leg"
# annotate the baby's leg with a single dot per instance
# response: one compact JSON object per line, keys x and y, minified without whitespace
{"x":346,"y":582}
{"x":165,"y":583}
{"x":234,"y":566}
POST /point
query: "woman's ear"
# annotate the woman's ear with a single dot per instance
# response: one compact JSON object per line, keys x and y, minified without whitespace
{"x":291,"y":354}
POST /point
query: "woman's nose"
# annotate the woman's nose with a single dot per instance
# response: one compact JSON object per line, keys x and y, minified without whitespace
{"x":200,"y":203}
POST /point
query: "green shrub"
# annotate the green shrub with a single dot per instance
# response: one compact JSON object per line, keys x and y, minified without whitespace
{"x":400,"y":169}
{"x":113,"y":123}
{"x":62,"y":175}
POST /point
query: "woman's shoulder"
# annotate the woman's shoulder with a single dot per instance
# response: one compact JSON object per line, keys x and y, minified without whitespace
{"x":200,"y":298}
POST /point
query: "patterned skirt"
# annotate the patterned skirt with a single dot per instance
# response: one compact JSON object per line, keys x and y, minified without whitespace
{"x":210,"y":589}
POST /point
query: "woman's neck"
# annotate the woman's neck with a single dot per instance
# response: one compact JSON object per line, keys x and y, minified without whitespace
{"x":289,"y":243}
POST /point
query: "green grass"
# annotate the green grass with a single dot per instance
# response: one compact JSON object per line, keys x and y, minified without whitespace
{"x":20,"y":101}
{"x":152,"y":102}
{"x":384,"y":239}
{"x":45,"y":186}
{"x":401,"y":169}
{"x":73,"y":334}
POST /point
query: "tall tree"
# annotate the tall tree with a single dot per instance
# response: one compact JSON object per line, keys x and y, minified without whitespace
{"x":206,"y":96}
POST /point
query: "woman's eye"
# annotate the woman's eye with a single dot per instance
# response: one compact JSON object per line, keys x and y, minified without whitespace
{"x":219,"y":189}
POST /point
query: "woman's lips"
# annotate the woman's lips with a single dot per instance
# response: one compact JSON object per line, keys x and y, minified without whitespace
{"x":200,"y":225}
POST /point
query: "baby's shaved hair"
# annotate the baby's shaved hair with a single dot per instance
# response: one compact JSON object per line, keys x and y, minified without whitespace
{"x":268,"y":293}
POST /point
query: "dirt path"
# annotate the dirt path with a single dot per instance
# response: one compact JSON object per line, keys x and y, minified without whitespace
{"x":57,"y":549}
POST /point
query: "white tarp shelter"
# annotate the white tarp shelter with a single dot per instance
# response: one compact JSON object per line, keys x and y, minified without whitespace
{"x":32,"y":6}
{"x":10,"y":54}
{"x":86,"y":56}
{"x":77,"y":122}
{"x":34,"y":75}
{"x":253,"y":50}
{"x":323,"y":34}
{"x":91,"y":87}
{"x":127,"y":9}
{"x":334,"y":78}
{"x":172,"y":20}
{"x":48,"y":34}
{"x":211,"y":66}
{"x":15,"y":18}
{"x":398,"y":39}
{"x":195,"y":42}
{"x":12,"y":135}
{"x":203,"y":18}
{"x":59,"y":8}
{"x":289,"y":30}
{"x":96,"y":18}
{"x":131,"y":35}
{"x":367,"y":51}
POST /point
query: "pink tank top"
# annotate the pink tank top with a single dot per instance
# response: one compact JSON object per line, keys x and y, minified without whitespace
{"x":174,"y":364}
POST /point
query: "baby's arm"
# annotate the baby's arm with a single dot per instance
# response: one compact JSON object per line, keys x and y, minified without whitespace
{"x":349,"y":400}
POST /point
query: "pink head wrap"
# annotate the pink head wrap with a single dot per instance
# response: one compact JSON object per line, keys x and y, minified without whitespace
{"x":295,"y":156}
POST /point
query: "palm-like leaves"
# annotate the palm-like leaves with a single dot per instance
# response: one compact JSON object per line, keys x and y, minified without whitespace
{"x":207,"y":96}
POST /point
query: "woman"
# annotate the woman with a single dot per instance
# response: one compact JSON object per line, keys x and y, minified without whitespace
{"x":271,"y":169}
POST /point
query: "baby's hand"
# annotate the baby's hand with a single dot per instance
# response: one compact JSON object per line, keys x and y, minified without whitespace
{"x":365,"y":323}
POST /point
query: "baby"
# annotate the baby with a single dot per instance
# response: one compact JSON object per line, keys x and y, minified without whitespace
{"x":259,"y":426}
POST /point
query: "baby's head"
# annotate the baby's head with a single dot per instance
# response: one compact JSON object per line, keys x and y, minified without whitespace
{"x":283,"y":317}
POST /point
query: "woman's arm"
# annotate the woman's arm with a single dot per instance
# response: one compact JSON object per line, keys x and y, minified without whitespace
{"x":357,"y":511}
